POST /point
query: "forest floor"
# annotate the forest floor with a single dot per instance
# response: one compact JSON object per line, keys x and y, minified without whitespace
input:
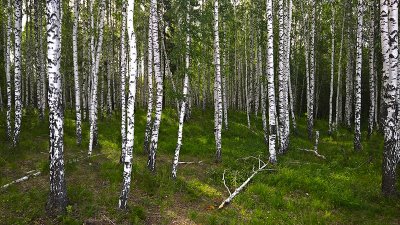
{"x":304,"y":189}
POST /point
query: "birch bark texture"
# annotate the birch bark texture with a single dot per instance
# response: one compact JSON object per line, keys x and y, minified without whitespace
{"x":8,"y":74}
{"x":184,"y":101}
{"x":271,"y":84}
{"x":76,"y":73}
{"x":123,"y":85}
{"x":147,"y":133}
{"x":357,"y":80}
{"x":389,"y":42}
{"x":95,"y":70}
{"x":151,"y":163}
{"x":58,"y":194}
{"x":332,"y":69}
{"x":17,"y":69}
{"x":130,"y":137}
{"x":310,"y":112}
{"x":372,"y":81}
{"x":217,"y":88}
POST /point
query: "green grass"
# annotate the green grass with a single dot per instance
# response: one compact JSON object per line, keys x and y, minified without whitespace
{"x":304,"y":189}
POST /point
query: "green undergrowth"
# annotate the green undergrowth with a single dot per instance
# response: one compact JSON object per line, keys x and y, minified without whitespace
{"x":300,"y":189}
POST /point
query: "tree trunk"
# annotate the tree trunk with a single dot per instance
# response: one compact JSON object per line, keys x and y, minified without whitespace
{"x":147,"y":133}
{"x":123,"y":75}
{"x":159,"y":97}
{"x":58,"y":194}
{"x":8,"y":74}
{"x":310,"y":115}
{"x":184,"y":101}
{"x":332,"y":70}
{"x":131,"y":108}
{"x":357,"y":110}
{"x":217,"y":88}
{"x":95,"y":70}
{"x":17,"y":69}
{"x":271,"y":83}
{"x":389,"y":40}
{"x":371,"y":118}
{"x":76,"y":73}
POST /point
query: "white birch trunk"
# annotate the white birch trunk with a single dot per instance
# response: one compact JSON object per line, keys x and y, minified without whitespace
{"x":184,"y":101}
{"x":310,"y":115}
{"x":17,"y":69}
{"x":8,"y":74}
{"x":123,"y":75}
{"x":130,"y":108}
{"x":217,"y":89}
{"x":95,"y":70}
{"x":339,"y":82}
{"x":357,"y":86}
{"x":147,"y":133}
{"x":159,"y":97}
{"x":332,"y":70}
{"x":271,"y":84}
{"x":371,"y":118}
{"x":58,"y":195}
{"x":389,"y":11}
{"x":76,"y":73}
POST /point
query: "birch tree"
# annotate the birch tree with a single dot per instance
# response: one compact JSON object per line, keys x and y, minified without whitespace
{"x":389,"y":42}
{"x":76,"y":73}
{"x":184,"y":101}
{"x":217,"y":86}
{"x":151,"y":163}
{"x":57,"y":202}
{"x":17,"y":69}
{"x":310,"y":111}
{"x":8,"y":74}
{"x":147,"y":133}
{"x":123,"y":75}
{"x":357,"y":110}
{"x":332,"y":69}
{"x":95,"y":70}
{"x":271,"y":83}
{"x":372,"y":82}
{"x":131,"y":108}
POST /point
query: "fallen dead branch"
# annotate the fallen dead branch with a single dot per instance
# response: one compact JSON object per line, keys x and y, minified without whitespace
{"x":315,"y":151}
{"x":199,"y":162}
{"x":261,"y":167}
{"x":32,"y":173}
{"x":35,"y":173}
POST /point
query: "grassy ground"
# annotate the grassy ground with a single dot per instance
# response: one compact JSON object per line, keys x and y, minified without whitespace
{"x":304,"y":189}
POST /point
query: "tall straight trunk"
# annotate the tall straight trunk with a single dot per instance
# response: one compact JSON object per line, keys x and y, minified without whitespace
{"x":338,"y":116}
{"x":389,"y":39}
{"x":147,"y":133}
{"x":372,"y":82}
{"x":8,"y":74}
{"x":76,"y":73}
{"x":57,"y":202}
{"x":283,"y":73}
{"x":95,"y":70}
{"x":289,"y":95}
{"x":271,"y":83}
{"x":224,"y":87}
{"x":357,"y":86}
{"x":17,"y":69}
{"x":217,"y":88}
{"x":130,"y":108}
{"x":123,"y":75}
{"x":159,"y":94}
{"x":310,"y":115}
{"x":246,"y":87}
{"x":332,"y":70}
{"x":109,"y":104}
{"x":184,"y":101}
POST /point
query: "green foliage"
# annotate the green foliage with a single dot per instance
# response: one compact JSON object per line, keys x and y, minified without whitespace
{"x":304,"y":189}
